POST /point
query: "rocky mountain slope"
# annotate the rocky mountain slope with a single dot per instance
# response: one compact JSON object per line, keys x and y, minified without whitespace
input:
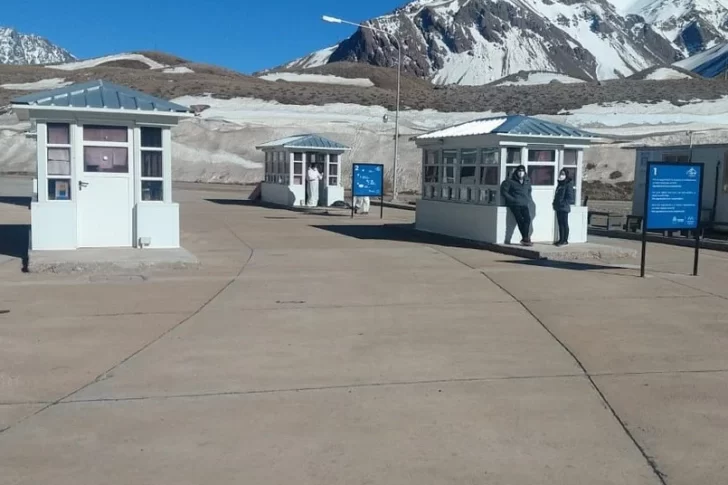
{"x":474,"y":42}
{"x":348,"y":102}
{"x":18,"y":48}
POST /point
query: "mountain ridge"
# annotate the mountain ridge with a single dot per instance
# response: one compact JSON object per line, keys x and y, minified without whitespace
{"x":17,"y":48}
{"x":474,"y":42}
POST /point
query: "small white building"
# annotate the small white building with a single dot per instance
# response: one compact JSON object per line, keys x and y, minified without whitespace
{"x":714,"y":206}
{"x":286,"y":162}
{"x":464,"y":165}
{"x":104,"y":167}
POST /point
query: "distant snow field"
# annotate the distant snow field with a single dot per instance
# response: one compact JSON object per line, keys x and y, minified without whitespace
{"x":317,"y":78}
{"x":89,"y":63}
{"x":665,"y":73}
{"x":534,"y":78}
{"x":178,"y":70}
{"x":53,"y":83}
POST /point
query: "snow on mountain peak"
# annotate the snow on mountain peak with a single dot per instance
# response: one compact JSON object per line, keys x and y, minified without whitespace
{"x":475,"y":42}
{"x":18,"y":48}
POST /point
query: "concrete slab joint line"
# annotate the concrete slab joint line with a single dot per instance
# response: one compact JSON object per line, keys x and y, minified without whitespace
{"x":106,"y":373}
{"x":650,"y":461}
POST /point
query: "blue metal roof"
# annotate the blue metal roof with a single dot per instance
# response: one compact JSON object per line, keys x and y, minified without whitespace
{"x":526,"y":125}
{"x":306,"y":141}
{"x":99,"y":95}
{"x":510,"y":125}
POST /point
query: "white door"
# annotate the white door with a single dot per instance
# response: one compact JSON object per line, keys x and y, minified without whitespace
{"x":105,"y":189}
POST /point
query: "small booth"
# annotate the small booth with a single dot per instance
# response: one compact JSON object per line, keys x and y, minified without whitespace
{"x":104,"y":167}
{"x":286,"y":163}
{"x":714,"y":206}
{"x":464,"y":165}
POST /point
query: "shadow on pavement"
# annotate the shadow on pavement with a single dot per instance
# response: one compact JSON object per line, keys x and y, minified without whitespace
{"x":21,"y":201}
{"x":244,"y":202}
{"x":395,"y":232}
{"x":571,"y":265}
{"x":14,"y":241}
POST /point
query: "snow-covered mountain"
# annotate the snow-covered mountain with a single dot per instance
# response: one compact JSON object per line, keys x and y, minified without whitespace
{"x":691,"y":25}
{"x":475,"y":42}
{"x":17,"y":48}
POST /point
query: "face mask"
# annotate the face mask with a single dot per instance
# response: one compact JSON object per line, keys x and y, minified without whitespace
{"x":562,"y":177}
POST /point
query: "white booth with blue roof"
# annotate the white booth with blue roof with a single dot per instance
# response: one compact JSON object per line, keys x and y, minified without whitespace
{"x":104,"y":167}
{"x":464,"y":165}
{"x":286,"y":163}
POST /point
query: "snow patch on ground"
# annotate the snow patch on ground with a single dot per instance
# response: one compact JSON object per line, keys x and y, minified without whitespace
{"x":250,"y":111}
{"x":89,"y":63}
{"x":541,"y":78}
{"x":662,"y":114}
{"x":317,"y":78}
{"x":178,"y":70}
{"x":53,"y":83}
{"x":665,"y":73}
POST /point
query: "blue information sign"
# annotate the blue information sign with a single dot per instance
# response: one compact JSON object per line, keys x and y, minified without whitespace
{"x":367,"y":180}
{"x":674,"y":192}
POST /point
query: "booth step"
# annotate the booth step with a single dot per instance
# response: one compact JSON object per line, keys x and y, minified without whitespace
{"x":109,"y":260}
{"x":571,"y":252}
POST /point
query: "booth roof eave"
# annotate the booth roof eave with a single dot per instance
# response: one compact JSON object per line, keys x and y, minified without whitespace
{"x":317,"y":149}
{"x":24,"y":111}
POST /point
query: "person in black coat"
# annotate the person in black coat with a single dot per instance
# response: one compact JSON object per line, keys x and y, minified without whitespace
{"x":516,"y":192}
{"x":564,"y":198}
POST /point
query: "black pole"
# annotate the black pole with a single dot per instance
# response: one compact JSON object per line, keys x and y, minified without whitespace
{"x":697,"y":252}
{"x":381,"y":205}
{"x":715,"y":192}
{"x":643,"y":258}
{"x":644,"y":249}
{"x":699,"y":225}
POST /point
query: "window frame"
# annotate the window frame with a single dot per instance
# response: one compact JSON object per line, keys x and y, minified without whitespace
{"x":55,"y":146}
{"x":535,"y":164}
{"x":108,"y":144}
{"x":333,"y":161}
{"x":436,"y":162}
{"x":142,"y":177}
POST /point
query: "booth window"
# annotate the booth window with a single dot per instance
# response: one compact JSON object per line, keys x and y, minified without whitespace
{"x":106,"y":149}
{"x":333,"y":170}
{"x":449,"y":158}
{"x":513,"y":160}
{"x":490,"y":169}
{"x":542,"y":167}
{"x":432,"y":167}
{"x":675,"y":157}
{"x":468,"y":161}
{"x":513,"y":156}
{"x":298,"y":168}
{"x":571,"y":158}
{"x":152,"y":164}
{"x":59,"y":161}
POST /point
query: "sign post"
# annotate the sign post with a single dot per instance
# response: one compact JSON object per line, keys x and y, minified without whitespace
{"x":367,"y":180}
{"x":673,"y":195}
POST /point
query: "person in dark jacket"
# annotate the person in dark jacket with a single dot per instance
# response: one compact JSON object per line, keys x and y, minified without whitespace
{"x":516,"y":192}
{"x":564,"y":198}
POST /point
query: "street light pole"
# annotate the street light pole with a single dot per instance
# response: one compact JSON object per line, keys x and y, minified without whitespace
{"x":334,"y":20}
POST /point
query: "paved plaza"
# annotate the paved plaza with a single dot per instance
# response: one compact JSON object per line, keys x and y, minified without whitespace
{"x":313,"y":349}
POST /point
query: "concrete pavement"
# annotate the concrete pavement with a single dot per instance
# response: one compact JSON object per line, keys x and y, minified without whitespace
{"x":318,"y":350}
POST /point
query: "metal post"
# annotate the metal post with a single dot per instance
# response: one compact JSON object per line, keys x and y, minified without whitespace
{"x":697,"y":252}
{"x":381,"y":199}
{"x":396,"y":116}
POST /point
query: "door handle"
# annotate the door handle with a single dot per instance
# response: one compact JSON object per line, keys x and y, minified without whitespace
{"x":82,"y":184}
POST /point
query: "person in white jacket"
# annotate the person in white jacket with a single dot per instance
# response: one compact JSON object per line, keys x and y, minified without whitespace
{"x":361,"y":205}
{"x":313,"y":176}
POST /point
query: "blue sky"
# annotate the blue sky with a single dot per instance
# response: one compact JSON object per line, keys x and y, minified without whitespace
{"x":246,"y":35}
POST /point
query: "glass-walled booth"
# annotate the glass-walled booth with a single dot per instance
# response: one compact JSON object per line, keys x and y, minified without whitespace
{"x":463,"y":167}
{"x":287,"y":164}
